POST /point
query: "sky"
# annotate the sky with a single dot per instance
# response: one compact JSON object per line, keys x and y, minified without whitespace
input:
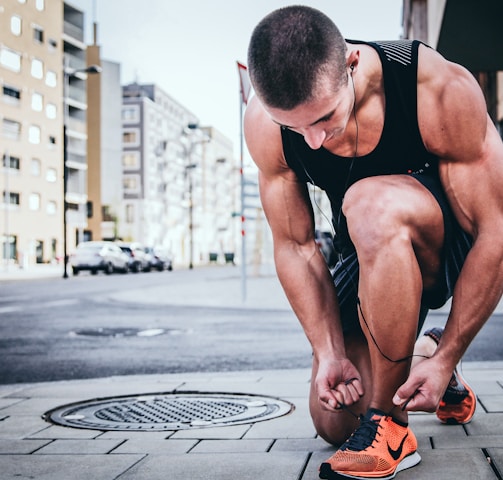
{"x":190,"y":48}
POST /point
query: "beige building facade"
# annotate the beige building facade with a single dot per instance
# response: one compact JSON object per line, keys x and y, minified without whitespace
{"x":109,"y":161}
{"x":31,"y":133}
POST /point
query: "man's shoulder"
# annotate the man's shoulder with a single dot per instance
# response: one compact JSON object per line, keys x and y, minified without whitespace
{"x":263,"y":136}
{"x":257,"y":122}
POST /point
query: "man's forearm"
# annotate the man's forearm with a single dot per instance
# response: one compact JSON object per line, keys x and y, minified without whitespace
{"x":309,"y":288}
{"x":477,"y":293}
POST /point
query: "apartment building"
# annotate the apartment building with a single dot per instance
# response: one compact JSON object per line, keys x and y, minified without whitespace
{"x":75,"y":125}
{"x":177,"y":177}
{"x":135,"y":165}
{"x":43,"y":81}
{"x":31,"y":140}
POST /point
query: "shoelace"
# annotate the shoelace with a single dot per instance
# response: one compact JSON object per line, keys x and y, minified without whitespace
{"x":364,"y":435}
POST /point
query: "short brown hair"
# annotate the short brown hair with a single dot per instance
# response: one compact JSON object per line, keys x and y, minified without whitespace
{"x":289,"y":50}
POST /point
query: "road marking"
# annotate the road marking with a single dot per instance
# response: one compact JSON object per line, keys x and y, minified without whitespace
{"x":9,"y":309}
{"x":52,"y":304}
{"x":60,"y":303}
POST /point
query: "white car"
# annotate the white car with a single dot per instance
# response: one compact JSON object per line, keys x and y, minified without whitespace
{"x":138,"y":259}
{"x":95,"y":256}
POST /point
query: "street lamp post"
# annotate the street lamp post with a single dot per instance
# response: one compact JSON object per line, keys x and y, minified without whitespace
{"x":67,"y":74}
{"x":190,"y":166}
{"x":188,"y":148}
{"x":191,"y":214}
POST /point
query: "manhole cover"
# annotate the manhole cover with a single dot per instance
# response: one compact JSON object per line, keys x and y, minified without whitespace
{"x":169,"y":411}
{"x":122,"y":332}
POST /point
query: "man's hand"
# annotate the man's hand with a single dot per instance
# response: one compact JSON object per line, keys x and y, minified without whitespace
{"x":338,"y":383}
{"x":424,"y":388}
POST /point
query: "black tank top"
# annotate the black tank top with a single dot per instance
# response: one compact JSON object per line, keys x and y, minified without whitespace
{"x":400,"y":149}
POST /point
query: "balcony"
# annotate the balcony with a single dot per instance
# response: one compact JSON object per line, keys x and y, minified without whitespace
{"x":73,"y":31}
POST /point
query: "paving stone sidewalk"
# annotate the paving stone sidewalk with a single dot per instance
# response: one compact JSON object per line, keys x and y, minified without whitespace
{"x":286,"y":447}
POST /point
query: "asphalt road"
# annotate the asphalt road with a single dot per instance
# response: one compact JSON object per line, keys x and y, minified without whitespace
{"x":56,"y":329}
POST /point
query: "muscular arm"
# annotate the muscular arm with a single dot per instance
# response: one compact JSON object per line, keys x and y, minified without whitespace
{"x":300,"y":265}
{"x":455,"y":126}
{"x":474,"y":189}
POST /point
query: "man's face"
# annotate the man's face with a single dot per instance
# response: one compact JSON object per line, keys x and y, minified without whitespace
{"x":319,"y":121}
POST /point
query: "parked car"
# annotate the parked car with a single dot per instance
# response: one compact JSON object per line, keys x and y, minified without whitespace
{"x":138,"y":259}
{"x":95,"y":256}
{"x":159,"y":258}
{"x":325,"y":243}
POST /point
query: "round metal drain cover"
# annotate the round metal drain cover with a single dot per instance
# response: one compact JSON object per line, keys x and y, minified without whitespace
{"x":119,"y":332}
{"x":169,"y":411}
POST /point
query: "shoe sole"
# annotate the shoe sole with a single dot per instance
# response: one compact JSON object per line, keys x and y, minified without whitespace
{"x":409,"y":461}
{"x":435,"y":334}
{"x":453,"y":421}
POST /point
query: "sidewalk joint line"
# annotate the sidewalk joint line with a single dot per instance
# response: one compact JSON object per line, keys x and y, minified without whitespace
{"x":274,"y":440}
{"x":492,"y":464}
{"x":306,"y":463}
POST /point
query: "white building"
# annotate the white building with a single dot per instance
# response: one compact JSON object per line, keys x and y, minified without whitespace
{"x":180,"y":180}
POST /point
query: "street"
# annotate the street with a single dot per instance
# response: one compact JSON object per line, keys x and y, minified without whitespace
{"x":57,"y":329}
{"x":98,"y":326}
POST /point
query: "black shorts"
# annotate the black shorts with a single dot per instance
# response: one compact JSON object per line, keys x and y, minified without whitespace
{"x":457,"y":243}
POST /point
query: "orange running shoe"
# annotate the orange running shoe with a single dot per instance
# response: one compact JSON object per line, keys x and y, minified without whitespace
{"x":379,"y":448}
{"x":458,"y":403}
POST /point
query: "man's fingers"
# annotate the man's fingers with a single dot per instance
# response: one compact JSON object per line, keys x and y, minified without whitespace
{"x":355,"y":386}
{"x":418,"y":401}
{"x":331,"y":402}
{"x":348,"y":392}
{"x":404,"y":394}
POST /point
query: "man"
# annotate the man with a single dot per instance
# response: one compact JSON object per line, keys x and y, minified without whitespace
{"x":400,"y":140}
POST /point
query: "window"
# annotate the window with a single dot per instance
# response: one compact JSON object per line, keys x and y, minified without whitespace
{"x":37,"y":68}
{"x":107,"y":214}
{"x":52,"y":140}
{"x":34,"y":201}
{"x":39,"y":5}
{"x":38,"y":34}
{"x":11,"y":129}
{"x":51,"y":175}
{"x":130,"y":183}
{"x":10,"y":59}
{"x":9,"y":245}
{"x":35,"y":167}
{"x":10,"y":198}
{"x":11,"y":95}
{"x":39,"y":251}
{"x":50,"y":111}
{"x":130,"y":160}
{"x":50,"y":78}
{"x":129,"y":137}
{"x":11,"y":162}
{"x":130,"y":114}
{"x":129,"y":213}
{"x":51,"y":207}
{"x":37,"y":102}
{"x":15,"y":25}
{"x":34,"y":134}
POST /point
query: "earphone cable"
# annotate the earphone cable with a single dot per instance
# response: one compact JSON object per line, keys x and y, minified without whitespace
{"x":336,"y":231}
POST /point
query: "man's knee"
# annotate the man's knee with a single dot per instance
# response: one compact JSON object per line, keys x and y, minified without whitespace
{"x":374,"y":217}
